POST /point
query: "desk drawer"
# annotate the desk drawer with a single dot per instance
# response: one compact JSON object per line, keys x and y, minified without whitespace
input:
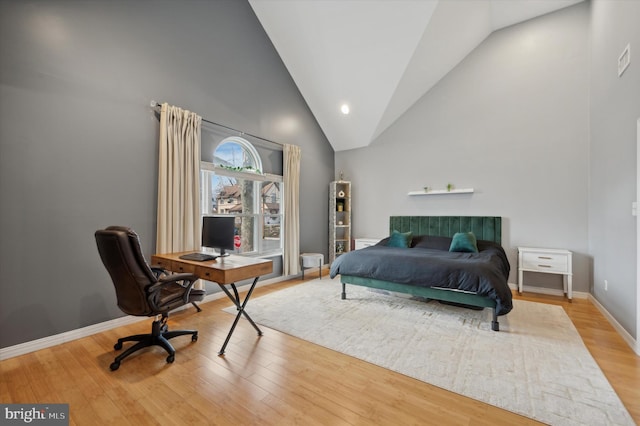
{"x":208,"y":274}
{"x":162,"y":263}
{"x":179,"y":267}
{"x":545,"y":262}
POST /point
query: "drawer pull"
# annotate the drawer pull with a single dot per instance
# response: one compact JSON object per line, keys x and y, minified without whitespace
{"x":544,"y":266}
{"x":544,"y":257}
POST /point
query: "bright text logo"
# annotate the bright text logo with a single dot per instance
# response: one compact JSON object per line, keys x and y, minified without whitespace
{"x":40,"y":414}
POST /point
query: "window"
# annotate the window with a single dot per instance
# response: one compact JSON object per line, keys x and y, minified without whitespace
{"x":232,"y":183}
{"x":238,"y":154}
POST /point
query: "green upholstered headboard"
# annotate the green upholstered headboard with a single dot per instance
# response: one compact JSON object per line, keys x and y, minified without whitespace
{"x":484,"y":227}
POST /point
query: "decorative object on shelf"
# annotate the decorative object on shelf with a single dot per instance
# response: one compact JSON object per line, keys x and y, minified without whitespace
{"x":427,"y":189}
{"x":340,"y":207}
{"x":341,"y":194}
{"x":442,"y":191}
{"x":340,"y":248}
{"x":340,"y":222}
{"x":449,"y":187}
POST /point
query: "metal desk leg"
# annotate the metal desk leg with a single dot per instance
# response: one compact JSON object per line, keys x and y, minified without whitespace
{"x":235,"y":298}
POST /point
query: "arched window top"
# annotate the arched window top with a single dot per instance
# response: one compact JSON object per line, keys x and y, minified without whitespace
{"x":237,"y":153}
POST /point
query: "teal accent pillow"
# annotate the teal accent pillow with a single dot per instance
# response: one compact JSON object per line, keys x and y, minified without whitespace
{"x":400,"y":239}
{"x":464,"y":242}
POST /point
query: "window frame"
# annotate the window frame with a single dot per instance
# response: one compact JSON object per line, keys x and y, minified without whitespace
{"x":246,"y":146}
{"x":258,"y":178}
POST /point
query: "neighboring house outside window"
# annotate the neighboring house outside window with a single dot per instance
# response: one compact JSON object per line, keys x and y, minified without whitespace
{"x":233,"y":184}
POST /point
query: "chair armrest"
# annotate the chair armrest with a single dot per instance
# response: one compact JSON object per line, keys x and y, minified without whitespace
{"x":158,"y":271}
{"x":173,"y":279}
{"x":184,"y":280}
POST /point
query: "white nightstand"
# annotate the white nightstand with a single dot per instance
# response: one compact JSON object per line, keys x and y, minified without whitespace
{"x":366,"y":242}
{"x":549,"y":261}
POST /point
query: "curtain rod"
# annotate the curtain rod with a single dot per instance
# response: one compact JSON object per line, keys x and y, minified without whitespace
{"x":155,"y":105}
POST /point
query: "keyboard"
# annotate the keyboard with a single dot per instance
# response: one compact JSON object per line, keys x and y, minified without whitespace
{"x":198,"y":257}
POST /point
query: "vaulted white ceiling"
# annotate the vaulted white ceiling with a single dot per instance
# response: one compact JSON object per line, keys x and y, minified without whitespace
{"x":379,"y":56}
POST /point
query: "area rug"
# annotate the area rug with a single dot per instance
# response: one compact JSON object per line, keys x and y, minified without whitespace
{"x":536,"y":365}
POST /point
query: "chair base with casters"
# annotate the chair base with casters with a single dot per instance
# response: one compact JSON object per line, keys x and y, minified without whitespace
{"x":159,"y":336}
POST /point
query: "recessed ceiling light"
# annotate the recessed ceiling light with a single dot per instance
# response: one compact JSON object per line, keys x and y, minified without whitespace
{"x":345,"y":109}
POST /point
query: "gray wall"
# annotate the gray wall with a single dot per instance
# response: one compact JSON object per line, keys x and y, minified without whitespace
{"x":78,"y":141}
{"x":510,"y":121}
{"x":615,"y":109}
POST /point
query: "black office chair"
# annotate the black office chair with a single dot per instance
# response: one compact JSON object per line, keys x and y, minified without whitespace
{"x":143,"y":291}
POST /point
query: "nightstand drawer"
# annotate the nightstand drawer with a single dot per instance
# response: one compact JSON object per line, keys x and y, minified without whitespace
{"x":545,"y":262}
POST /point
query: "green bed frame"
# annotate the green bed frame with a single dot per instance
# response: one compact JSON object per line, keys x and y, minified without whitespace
{"x":484,"y":227}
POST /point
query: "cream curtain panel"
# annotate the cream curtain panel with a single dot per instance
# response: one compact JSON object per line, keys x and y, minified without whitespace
{"x":179,"y":227}
{"x":290,"y":263}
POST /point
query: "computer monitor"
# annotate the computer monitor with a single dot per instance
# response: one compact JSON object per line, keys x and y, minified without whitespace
{"x":218,"y":233}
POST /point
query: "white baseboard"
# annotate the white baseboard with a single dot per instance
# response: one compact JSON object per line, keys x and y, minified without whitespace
{"x":635,"y":345}
{"x":46,"y":342}
{"x":549,"y":291}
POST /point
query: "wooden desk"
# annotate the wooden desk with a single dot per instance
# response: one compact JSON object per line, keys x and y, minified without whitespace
{"x":224,"y":271}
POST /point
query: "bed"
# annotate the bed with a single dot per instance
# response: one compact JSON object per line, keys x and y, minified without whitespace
{"x":426,"y":268}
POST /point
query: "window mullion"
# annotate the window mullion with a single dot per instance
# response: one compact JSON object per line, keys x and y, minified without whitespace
{"x":222,"y":171}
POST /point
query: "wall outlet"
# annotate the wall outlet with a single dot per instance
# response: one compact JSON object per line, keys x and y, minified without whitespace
{"x":606,"y":285}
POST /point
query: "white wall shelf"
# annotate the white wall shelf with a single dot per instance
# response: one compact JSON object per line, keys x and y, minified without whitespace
{"x":442,"y":191}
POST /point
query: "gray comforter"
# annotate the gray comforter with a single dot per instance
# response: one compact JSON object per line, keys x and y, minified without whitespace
{"x":430,"y":264}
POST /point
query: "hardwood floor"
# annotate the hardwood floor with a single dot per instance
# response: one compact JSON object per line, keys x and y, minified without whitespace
{"x":272,"y":380}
